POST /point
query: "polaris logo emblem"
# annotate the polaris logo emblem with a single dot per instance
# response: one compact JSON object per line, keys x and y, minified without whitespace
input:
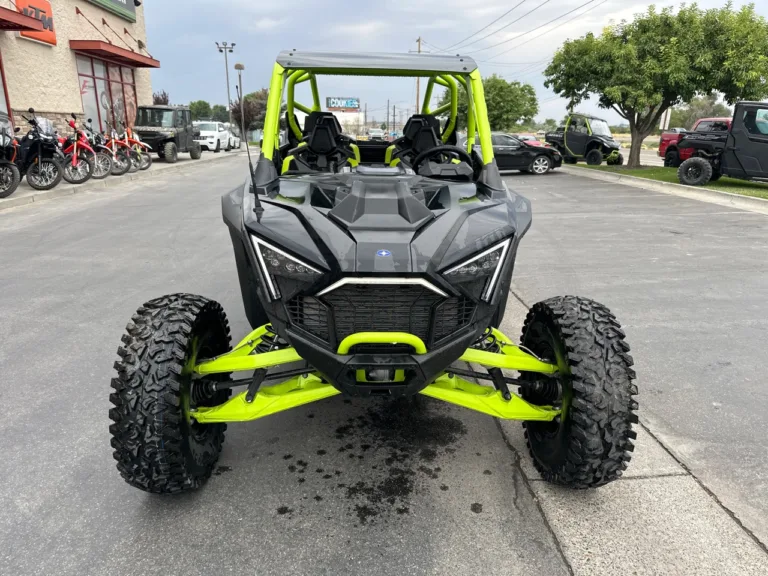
{"x":383,"y":253}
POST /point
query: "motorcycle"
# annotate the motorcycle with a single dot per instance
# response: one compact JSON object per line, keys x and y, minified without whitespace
{"x":141,"y":149}
{"x":125,"y":158}
{"x":79,"y":157}
{"x":38,"y":154}
{"x":9,"y":172}
{"x":103,"y":160}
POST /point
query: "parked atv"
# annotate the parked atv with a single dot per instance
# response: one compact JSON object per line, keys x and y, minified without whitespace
{"x":168,"y":130}
{"x":367,"y":279}
{"x":741,"y":152}
{"x":586,"y":138}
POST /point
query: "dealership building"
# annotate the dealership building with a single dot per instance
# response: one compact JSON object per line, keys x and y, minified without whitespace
{"x":89,"y":57}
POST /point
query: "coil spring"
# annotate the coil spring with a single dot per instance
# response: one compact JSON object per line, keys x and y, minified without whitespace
{"x":487,"y":342}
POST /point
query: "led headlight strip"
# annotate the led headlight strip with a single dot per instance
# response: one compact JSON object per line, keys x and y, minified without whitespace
{"x":467,"y":265}
{"x":258,"y":246}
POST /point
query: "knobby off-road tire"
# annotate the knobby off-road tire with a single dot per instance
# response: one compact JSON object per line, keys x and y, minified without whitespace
{"x":146,"y":160}
{"x":594,"y":157}
{"x":195,"y":152}
{"x":170,"y":152}
{"x":695,"y":171}
{"x":158,"y":447}
{"x":590,"y":444}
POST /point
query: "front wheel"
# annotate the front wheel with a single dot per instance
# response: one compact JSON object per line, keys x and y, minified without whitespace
{"x":540,"y":165}
{"x":158,"y":446}
{"x":170,"y":152}
{"x":121,"y":163}
{"x":9,"y":178}
{"x":695,"y":171}
{"x":146,"y":160}
{"x":195,"y":152}
{"x":78,"y":170}
{"x":135,"y":161}
{"x":44,"y":174}
{"x":594,"y":157}
{"x":102,"y":165}
{"x":589,"y":444}
{"x":218,"y":146}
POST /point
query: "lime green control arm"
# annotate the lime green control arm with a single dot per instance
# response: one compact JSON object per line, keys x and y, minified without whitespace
{"x":311,"y":387}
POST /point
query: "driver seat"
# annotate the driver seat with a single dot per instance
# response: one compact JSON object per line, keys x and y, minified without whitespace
{"x":320,"y":152}
{"x":420,"y":134}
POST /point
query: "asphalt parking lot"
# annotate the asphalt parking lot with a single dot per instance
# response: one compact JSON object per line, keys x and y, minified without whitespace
{"x":411,"y":487}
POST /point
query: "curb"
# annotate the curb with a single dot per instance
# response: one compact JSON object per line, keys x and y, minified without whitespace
{"x":729,"y":199}
{"x":69,"y":189}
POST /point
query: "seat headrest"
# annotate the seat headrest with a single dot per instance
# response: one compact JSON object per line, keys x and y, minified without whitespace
{"x":324,"y":119}
{"x":424,"y":139}
{"x":322,"y":141}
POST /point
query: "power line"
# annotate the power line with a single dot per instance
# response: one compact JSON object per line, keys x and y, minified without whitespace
{"x":529,"y":31}
{"x":484,"y":27}
{"x":552,"y":29}
{"x":504,"y":27}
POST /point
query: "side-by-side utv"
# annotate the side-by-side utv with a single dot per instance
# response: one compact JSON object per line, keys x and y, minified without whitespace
{"x":372,"y":269}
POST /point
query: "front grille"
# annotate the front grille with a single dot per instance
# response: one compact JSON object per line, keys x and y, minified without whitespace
{"x":380,"y":308}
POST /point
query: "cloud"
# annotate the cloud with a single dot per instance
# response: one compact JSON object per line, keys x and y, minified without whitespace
{"x":267,"y":23}
{"x":360,"y":28}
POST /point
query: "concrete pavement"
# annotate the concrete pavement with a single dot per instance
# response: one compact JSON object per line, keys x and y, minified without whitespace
{"x":364,"y":487}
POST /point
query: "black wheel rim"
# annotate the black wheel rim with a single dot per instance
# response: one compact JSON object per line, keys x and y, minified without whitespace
{"x":6,"y":178}
{"x":693,"y":172}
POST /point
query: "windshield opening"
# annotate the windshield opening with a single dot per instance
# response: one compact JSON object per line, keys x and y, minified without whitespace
{"x":600,"y":127}
{"x":154,"y":117}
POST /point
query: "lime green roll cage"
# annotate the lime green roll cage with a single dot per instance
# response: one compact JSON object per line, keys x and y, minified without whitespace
{"x":284,"y":81}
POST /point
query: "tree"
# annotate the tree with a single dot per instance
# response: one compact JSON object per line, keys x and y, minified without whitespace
{"x":219,"y":113}
{"x":641,"y":68}
{"x":200,"y":110}
{"x":161,"y":98}
{"x":255,"y":108}
{"x":685,"y":115}
{"x":508,"y":103}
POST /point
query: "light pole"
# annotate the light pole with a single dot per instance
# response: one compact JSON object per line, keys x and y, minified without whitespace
{"x":239,"y":67}
{"x":224,"y":47}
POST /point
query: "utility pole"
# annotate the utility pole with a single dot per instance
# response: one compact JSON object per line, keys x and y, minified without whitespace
{"x":387,"y":122}
{"x":418,"y":86}
{"x":224,"y":47}
{"x":365,"y":117}
{"x":394,"y":118}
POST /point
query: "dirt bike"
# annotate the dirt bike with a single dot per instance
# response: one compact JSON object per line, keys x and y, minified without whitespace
{"x":120,"y":142}
{"x":103,"y":160}
{"x":142,"y":150}
{"x":121,"y":155}
{"x":38,"y":154}
{"x":79,"y":156}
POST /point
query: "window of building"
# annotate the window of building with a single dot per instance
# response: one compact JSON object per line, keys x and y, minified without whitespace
{"x":108,"y":92}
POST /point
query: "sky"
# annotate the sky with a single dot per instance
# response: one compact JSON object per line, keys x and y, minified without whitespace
{"x":182,"y":35}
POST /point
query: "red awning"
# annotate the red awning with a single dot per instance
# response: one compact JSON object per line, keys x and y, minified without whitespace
{"x":101,"y":49}
{"x":12,"y":20}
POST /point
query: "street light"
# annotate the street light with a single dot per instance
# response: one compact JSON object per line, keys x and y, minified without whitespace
{"x":239,"y":67}
{"x":224,"y":47}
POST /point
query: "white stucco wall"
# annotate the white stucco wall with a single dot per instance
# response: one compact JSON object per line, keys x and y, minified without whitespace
{"x":45,"y":77}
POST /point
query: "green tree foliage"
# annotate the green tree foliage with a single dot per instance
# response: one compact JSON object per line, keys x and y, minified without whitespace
{"x":200,"y":110}
{"x":685,"y":115}
{"x":219,"y":113}
{"x":660,"y":59}
{"x":255,"y":108}
{"x":508,"y":103}
{"x":161,"y":98}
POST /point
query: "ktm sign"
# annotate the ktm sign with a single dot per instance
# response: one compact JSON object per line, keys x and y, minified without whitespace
{"x":39,"y":10}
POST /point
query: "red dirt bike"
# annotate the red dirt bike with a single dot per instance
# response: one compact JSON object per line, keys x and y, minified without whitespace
{"x":118,"y":143}
{"x":103,"y":161}
{"x":79,"y":156}
{"x":142,"y":150}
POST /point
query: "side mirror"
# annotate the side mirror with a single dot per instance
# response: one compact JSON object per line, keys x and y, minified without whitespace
{"x":90,"y":120}
{"x":31,"y":110}
{"x":74,"y":116}
{"x":17,"y":129}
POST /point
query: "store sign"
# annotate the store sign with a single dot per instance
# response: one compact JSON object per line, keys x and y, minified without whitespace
{"x":39,"y":10}
{"x":338,"y":104}
{"x":123,"y":8}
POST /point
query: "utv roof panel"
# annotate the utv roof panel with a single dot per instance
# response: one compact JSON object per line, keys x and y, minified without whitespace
{"x":361,"y":63}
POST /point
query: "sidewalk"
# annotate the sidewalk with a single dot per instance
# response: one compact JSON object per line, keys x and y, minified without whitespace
{"x":658,"y":519}
{"x":25,"y":194}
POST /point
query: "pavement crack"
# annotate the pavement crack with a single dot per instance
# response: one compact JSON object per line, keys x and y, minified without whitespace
{"x":535,"y":498}
{"x":706,"y":489}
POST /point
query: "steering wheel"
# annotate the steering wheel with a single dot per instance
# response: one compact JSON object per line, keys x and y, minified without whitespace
{"x":427,"y":154}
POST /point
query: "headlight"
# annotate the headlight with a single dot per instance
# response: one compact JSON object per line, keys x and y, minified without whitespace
{"x":486,"y":265}
{"x":276,"y":263}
